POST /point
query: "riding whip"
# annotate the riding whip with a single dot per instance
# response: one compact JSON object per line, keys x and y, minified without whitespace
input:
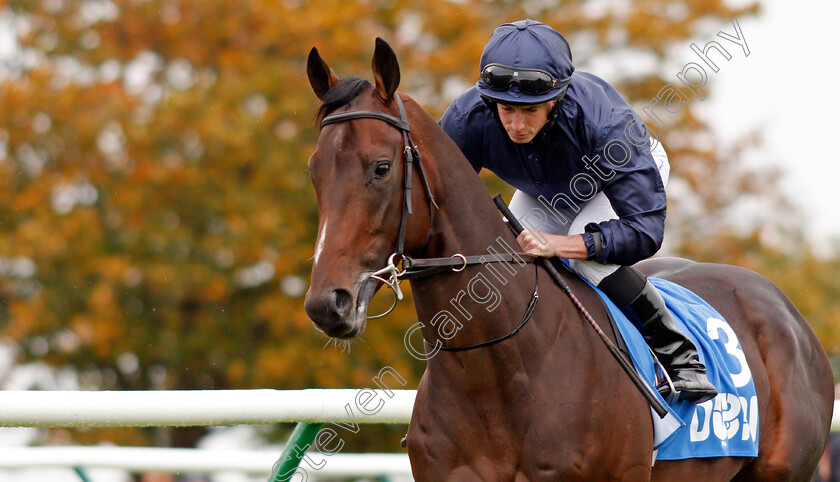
{"x":643,"y":387}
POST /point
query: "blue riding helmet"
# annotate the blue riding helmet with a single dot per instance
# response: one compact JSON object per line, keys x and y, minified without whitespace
{"x":525,"y":62}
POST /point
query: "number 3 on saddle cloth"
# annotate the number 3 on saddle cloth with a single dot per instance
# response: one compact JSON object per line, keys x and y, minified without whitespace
{"x":726,"y":425}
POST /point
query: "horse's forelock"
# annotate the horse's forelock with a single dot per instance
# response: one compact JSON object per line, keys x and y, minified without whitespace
{"x":341,"y":94}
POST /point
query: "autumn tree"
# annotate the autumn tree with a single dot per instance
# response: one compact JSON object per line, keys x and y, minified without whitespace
{"x":156,"y":216}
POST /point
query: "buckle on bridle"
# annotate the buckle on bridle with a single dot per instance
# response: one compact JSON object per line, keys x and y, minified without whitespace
{"x":463,"y":258}
{"x":392,"y":280}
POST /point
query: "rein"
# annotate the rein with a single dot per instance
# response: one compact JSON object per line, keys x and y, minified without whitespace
{"x":416,"y":268}
{"x":413,"y":268}
{"x":525,"y":317}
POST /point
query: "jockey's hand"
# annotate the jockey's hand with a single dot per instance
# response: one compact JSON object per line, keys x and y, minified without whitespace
{"x":551,"y":245}
{"x":539,"y":245}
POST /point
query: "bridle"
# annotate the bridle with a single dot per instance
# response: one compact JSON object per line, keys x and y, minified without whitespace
{"x":413,"y":268}
{"x":416,"y":268}
{"x":410,"y":153}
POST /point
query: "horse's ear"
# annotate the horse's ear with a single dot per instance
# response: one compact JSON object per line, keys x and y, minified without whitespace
{"x":321,"y":77}
{"x":386,"y":70}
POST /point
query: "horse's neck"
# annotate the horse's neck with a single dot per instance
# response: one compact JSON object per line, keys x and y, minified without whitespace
{"x":468,"y":221}
{"x":484,"y":301}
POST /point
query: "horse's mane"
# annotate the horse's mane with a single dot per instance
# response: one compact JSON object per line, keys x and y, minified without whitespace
{"x":340,"y":94}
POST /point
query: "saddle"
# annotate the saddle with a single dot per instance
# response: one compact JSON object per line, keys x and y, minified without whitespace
{"x":725,"y":426}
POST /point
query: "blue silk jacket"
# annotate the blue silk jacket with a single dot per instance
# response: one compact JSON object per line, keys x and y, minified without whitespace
{"x":593,"y":142}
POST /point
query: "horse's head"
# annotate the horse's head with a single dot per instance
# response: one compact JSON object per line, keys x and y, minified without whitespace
{"x":359,"y":175}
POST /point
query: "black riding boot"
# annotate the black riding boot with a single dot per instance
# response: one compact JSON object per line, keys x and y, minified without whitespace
{"x":674,"y":350}
{"x":629,"y":289}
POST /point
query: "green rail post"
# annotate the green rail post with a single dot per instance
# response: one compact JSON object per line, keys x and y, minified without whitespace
{"x":80,"y":471}
{"x":300,"y":441}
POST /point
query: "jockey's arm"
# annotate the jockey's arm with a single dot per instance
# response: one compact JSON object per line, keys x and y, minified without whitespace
{"x":550,"y":245}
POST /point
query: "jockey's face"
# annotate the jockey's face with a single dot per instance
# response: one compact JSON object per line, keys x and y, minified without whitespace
{"x":523,"y":122}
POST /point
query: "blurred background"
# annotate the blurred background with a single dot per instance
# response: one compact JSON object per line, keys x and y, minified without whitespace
{"x":157,"y":219}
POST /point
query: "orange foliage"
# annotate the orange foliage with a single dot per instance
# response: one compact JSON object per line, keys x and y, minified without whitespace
{"x":153,"y":168}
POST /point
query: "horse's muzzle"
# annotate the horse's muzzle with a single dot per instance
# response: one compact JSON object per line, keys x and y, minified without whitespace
{"x":332,"y":310}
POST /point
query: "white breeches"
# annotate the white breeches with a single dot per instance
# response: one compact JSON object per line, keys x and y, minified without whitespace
{"x":595,"y":210}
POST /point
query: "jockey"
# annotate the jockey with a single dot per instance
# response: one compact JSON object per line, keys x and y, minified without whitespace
{"x":590,"y":180}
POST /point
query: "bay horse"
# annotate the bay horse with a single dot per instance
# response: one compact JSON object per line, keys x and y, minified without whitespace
{"x":548,"y":402}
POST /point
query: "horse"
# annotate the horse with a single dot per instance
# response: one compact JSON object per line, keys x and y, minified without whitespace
{"x":540,"y":400}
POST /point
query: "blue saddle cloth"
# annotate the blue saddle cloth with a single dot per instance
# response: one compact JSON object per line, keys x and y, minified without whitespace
{"x":725,"y":426}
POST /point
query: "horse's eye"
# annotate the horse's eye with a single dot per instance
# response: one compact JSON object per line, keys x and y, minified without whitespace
{"x":382,"y":169}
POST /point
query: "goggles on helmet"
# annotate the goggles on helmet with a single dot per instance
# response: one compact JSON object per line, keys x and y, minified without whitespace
{"x":530,"y":81}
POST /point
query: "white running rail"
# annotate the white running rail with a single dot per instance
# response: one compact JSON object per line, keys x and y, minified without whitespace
{"x":201,"y":407}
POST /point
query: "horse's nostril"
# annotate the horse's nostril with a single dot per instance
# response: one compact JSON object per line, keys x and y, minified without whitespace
{"x":342,"y":301}
{"x":332,"y":311}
